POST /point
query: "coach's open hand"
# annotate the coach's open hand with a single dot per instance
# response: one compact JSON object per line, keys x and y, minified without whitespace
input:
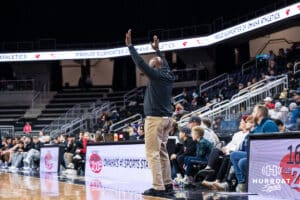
{"x":128,"y":38}
{"x":155,"y":43}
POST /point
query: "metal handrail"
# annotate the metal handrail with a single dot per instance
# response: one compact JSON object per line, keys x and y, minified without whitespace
{"x":175,"y":101}
{"x":112,"y":127}
{"x":246,"y":63}
{"x":132,"y":93}
{"x":295,"y":65}
{"x":200,"y":110}
{"x":223,"y":78}
{"x":220,"y":104}
{"x":264,"y":90}
{"x":7,"y":129}
{"x":34,"y":98}
{"x":19,"y":83}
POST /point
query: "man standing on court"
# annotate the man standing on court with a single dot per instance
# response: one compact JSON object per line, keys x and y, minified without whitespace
{"x":158,"y":112}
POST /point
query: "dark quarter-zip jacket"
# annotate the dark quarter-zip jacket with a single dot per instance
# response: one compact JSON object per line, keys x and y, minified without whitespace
{"x":158,"y":95}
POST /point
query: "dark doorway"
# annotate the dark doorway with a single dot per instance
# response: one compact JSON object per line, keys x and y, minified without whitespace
{"x":55,"y":76}
{"x":124,"y":77}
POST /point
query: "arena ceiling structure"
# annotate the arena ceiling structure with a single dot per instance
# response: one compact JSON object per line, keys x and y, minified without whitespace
{"x":106,"y":21}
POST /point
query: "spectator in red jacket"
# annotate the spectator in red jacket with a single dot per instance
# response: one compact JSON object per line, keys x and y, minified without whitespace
{"x":27,"y":128}
{"x":268,"y":103}
{"x":85,"y":139}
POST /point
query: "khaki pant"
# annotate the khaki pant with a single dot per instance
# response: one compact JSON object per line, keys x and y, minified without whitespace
{"x":68,"y":157}
{"x":156,"y":137}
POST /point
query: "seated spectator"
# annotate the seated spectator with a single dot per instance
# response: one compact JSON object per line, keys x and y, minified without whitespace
{"x":273,"y":66}
{"x":17,"y":157}
{"x":284,"y":114}
{"x":179,"y":112}
{"x":27,"y":128}
{"x":44,"y":138}
{"x":268,"y":103}
{"x":98,"y":137}
{"x":281,"y":127}
{"x":141,"y":132}
{"x":272,"y":56}
{"x":281,"y":58}
{"x":240,"y":86}
{"x":289,"y":68}
{"x":239,"y":158}
{"x":174,"y":131}
{"x":115,"y":117}
{"x":203,"y":148}
{"x":188,"y":148}
{"x":295,"y":112}
{"x":70,"y":151}
{"x":186,"y":95}
{"x":33,"y":154}
{"x":283,"y":94}
{"x":221,"y":171}
{"x":249,"y":84}
{"x":5,"y":151}
{"x":209,"y":134}
{"x":254,"y":80}
{"x":276,"y":113}
{"x":263,"y":76}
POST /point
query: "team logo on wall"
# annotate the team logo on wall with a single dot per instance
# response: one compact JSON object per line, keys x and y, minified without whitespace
{"x":49,"y":160}
{"x":96,"y":164}
{"x":290,"y":168}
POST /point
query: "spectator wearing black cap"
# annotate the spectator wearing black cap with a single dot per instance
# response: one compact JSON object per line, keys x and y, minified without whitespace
{"x":208,"y":133}
{"x":188,"y":148}
{"x":194,"y":121}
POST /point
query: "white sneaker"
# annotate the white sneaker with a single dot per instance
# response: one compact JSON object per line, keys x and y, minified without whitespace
{"x":241,"y":187}
{"x":221,"y":186}
{"x":77,"y":157}
{"x":12,"y":168}
{"x":26,"y":160}
{"x":70,"y":166}
{"x":178,"y":181}
{"x":26,"y":168}
{"x":186,"y":180}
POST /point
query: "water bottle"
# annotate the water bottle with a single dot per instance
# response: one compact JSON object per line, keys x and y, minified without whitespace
{"x":116,"y":137}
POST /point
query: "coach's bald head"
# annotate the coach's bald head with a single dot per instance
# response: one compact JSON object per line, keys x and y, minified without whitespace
{"x":156,"y":62}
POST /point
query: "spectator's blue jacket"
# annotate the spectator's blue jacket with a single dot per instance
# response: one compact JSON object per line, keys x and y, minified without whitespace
{"x":295,"y":115}
{"x":293,"y":120}
{"x":266,"y":126}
